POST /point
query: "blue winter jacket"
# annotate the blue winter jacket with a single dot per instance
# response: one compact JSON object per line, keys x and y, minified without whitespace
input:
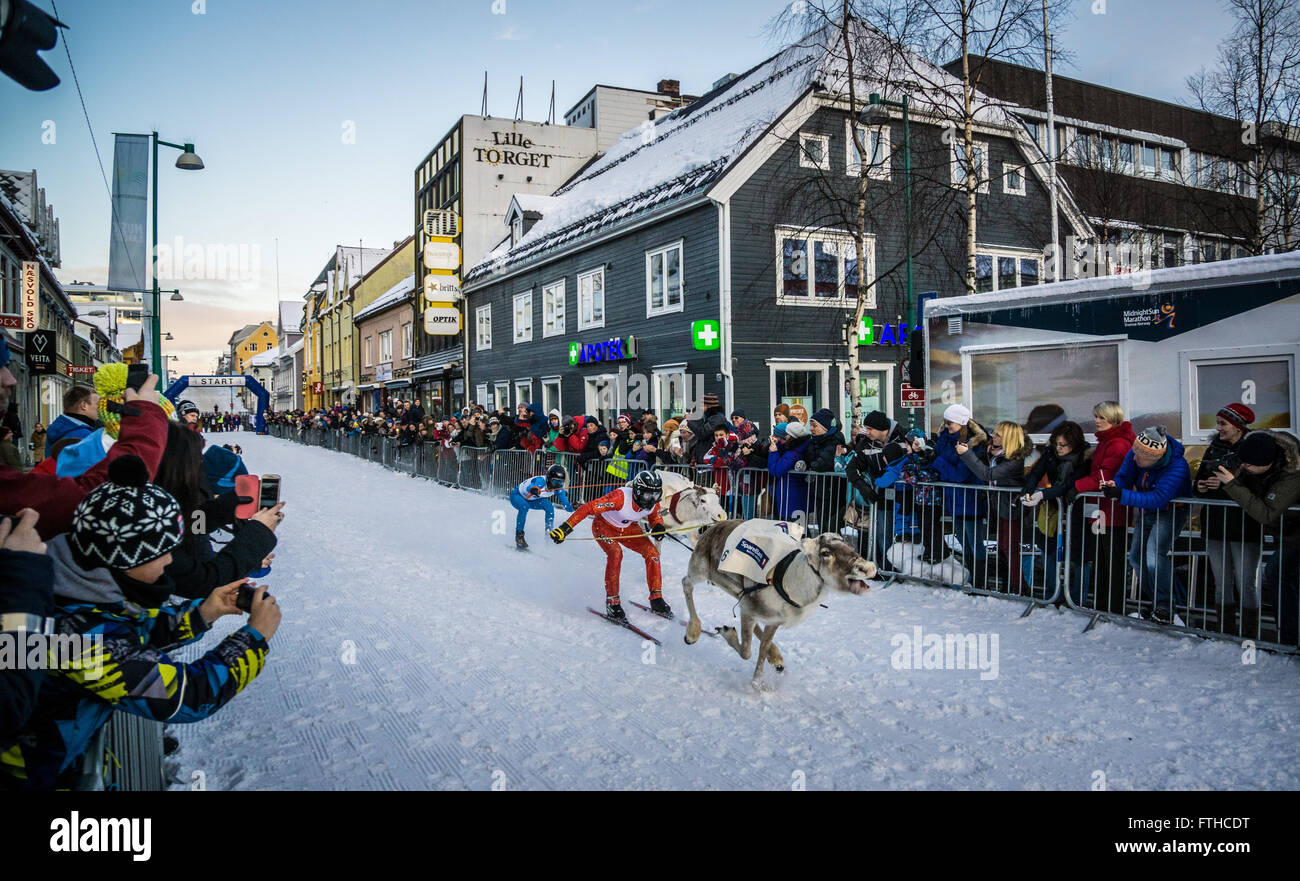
{"x":222,"y":467}
{"x":66,"y":426}
{"x":1153,"y":488}
{"x":789,"y":491}
{"x":958,"y":503}
{"x":79,"y":458}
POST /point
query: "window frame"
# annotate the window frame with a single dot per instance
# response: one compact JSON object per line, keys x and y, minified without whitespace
{"x":408,"y":340}
{"x":483,"y":341}
{"x":520,"y":383}
{"x":521,"y":336}
{"x":558,"y":384}
{"x":875,"y":171}
{"x":680,"y":246}
{"x":840,"y":237}
{"x":996,"y":251}
{"x":954,"y":163}
{"x":591,"y":274}
{"x":1007,"y":169}
{"x":1190,"y":359}
{"x":503,"y":401}
{"x":805,"y":160}
{"x":386,"y":336}
{"x":551,"y":313}
{"x":657,"y":376}
{"x":370,"y":352}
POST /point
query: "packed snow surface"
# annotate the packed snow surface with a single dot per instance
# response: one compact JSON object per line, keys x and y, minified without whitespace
{"x":420,"y":650}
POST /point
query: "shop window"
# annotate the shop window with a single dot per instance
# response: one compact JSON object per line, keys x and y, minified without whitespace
{"x":1264,"y":381}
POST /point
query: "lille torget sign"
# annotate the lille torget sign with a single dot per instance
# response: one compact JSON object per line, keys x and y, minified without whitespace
{"x":501,"y":154}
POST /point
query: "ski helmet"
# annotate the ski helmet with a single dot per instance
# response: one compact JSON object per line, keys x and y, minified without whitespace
{"x":647,"y":489}
{"x":555,"y":476}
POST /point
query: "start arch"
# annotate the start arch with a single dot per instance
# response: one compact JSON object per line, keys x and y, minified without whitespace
{"x":174,"y":391}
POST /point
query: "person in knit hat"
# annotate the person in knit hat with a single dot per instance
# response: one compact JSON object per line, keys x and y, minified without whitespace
{"x":826,"y":436}
{"x":1266,"y":486}
{"x":1152,"y":475}
{"x":1232,"y":546}
{"x":868,"y":464}
{"x":111,"y":594}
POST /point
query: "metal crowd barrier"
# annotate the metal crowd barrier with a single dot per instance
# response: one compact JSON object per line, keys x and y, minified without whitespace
{"x":133,"y":754}
{"x":1200,"y":565}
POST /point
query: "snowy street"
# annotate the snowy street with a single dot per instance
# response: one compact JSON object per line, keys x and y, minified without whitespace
{"x":420,"y":650}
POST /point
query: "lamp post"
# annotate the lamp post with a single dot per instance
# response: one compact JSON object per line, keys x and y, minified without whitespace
{"x":188,"y":161}
{"x":874,"y":100}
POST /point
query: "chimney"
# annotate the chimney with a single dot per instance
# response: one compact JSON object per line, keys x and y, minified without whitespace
{"x":669,"y":87}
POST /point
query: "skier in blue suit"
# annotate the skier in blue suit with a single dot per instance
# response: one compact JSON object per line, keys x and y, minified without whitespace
{"x":534,"y":494}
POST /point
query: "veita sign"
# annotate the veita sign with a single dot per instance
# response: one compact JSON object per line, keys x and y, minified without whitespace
{"x":508,"y":148}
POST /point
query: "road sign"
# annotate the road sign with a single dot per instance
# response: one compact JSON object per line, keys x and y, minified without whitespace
{"x":40,"y":352}
{"x":441,"y":256}
{"x":441,"y":289}
{"x":912,"y":397}
{"x":706,"y":335}
{"x":442,"y":319}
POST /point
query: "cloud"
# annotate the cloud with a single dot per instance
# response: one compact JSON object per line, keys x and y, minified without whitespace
{"x":202,"y":331}
{"x":509,"y":33}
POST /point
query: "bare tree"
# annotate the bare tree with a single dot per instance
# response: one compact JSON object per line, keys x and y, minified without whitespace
{"x":1257,"y":81}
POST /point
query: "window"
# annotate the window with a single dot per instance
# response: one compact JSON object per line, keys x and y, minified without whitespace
{"x":480,"y":394}
{"x":524,"y":317}
{"x":1263,"y":377}
{"x":502,"y":394}
{"x":591,"y":299}
{"x":998,"y":269}
{"x":516,"y":230}
{"x":252,"y":347}
{"x":1007,"y":384}
{"x":1148,"y":154}
{"x":385,"y":346}
{"x":876,"y":140}
{"x":1172,"y":250}
{"x":981,"y":166}
{"x":406,"y":340}
{"x":553,"y":308}
{"x":1013,"y":179}
{"x":1125,"y":155}
{"x":814,"y":151}
{"x":821,"y":267}
{"x":551,"y":395}
{"x":483,"y":327}
{"x":669,"y":391}
{"x":370,"y":353}
{"x":663,"y":280}
{"x":799,"y":385}
{"x":602,"y":396}
{"x":523,"y":391}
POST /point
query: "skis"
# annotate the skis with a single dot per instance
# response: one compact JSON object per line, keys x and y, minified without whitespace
{"x":628,"y":625}
{"x":671,"y":617}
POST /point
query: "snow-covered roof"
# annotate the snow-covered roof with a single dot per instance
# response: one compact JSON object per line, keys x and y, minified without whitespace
{"x":264,"y":359}
{"x":1245,"y":270}
{"x":396,"y":294}
{"x":685,"y":152}
{"x":531,"y":203}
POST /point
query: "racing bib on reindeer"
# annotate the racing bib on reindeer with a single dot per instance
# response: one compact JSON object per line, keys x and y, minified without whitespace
{"x":755,"y":547}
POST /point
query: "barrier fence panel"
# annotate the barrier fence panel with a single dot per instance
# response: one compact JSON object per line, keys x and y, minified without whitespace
{"x":1197,"y":564}
{"x":133,"y":754}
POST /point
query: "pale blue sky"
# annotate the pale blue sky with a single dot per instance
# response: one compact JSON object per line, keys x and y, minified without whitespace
{"x":264,"y":90}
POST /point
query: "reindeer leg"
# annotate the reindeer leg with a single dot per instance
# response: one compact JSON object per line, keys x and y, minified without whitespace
{"x":740,"y":642}
{"x":774,"y":656}
{"x":764,"y":645}
{"x":692,"y":626}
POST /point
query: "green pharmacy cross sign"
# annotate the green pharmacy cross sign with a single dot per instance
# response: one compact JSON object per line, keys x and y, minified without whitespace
{"x":706,"y":335}
{"x":866,"y":332}
{"x":575,"y":349}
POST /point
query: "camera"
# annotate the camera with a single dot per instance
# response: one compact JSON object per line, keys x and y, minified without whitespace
{"x":244,"y":601}
{"x":1229,"y":460}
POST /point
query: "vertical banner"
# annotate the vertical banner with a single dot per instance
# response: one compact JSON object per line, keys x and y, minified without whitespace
{"x":127,"y":254}
{"x":31,"y":296}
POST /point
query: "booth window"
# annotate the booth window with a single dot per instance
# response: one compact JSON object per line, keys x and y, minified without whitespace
{"x":1264,"y":381}
{"x":1049,"y":381}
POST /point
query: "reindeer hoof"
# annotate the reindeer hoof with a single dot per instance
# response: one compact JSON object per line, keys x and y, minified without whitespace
{"x":760,"y":686}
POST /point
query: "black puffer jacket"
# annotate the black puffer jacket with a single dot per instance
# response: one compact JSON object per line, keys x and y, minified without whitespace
{"x":1221,"y":522}
{"x":1061,"y":473}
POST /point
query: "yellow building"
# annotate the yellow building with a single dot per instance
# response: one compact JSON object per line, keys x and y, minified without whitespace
{"x":251,"y":340}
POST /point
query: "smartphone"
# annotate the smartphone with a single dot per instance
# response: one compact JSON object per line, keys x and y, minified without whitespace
{"x":249,"y":486}
{"x":270,"y":494}
{"x":136,"y":374}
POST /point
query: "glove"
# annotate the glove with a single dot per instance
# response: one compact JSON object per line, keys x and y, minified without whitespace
{"x":1112,"y":492}
{"x":658,"y":531}
{"x":1032,"y":499}
{"x":560,"y":533}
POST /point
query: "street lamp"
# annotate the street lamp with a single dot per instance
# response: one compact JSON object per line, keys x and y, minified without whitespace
{"x":875,"y":114}
{"x":188,"y":161}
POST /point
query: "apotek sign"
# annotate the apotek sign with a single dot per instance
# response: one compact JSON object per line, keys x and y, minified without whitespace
{"x":610,"y":350}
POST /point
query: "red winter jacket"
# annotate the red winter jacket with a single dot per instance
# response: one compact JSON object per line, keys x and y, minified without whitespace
{"x":1112,"y":445}
{"x":55,"y":498}
{"x":574,"y":443}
